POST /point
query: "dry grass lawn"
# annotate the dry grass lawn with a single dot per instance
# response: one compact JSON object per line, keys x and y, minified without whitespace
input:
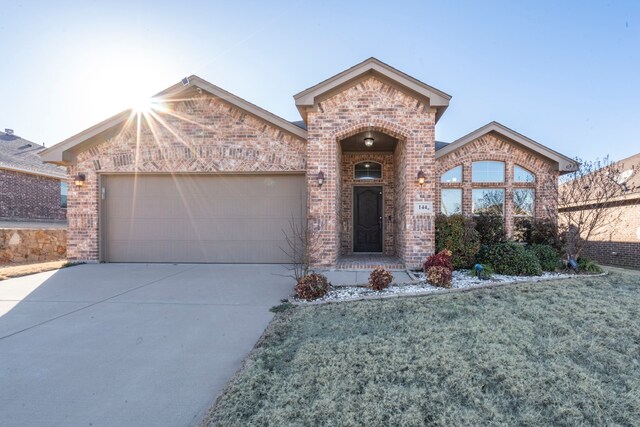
{"x":9,"y":271}
{"x":563,"y":353}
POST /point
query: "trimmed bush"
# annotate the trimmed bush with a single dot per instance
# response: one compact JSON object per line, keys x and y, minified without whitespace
{"x":439,"y":276}
{"x":380,"y":278}
{"x":458,"y":234}
{"x":490,"y":228}
{"x":545,"y":232}
{"x":510,"y":259}
{"x":585,"y":264}
{"x":441,"y":259}
{"x":312,"y":286}
{"x":547,"y":256}
{"x":522,"y":229}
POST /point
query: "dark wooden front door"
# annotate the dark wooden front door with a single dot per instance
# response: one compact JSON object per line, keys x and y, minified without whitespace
{"x":367,"y":219}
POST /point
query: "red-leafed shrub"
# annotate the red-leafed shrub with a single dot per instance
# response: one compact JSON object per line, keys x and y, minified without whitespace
{"x":439,"y":276}
{"x":441,"y":259}
{"x":380,"y":278}
{"x":312,"y":286}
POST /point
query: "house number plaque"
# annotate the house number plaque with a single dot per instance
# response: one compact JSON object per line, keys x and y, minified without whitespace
{"x":423,"y":208}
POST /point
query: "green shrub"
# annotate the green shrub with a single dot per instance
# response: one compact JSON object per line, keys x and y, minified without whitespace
{"x":511,"y":259}
{"x":312,"y":286}
{"x":547,"y":256}
{"x":439,"y":276}
{"x":380,"y":278}
{"x":545,"y":232}
{"x":585,"y":264}
{"x":490,"y":228}
{"x":457,"y":233}
{"x":522,"y":229}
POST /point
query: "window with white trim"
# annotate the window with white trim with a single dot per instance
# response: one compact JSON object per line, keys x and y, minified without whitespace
{"x":487,"y":171}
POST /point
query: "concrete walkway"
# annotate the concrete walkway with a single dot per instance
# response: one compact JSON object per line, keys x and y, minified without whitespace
{"x":128,"y":344}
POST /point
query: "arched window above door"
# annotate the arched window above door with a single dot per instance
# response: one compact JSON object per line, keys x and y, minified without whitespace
{"x":367,"y":170}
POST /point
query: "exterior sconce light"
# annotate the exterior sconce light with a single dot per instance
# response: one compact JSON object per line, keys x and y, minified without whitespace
{"x":421,"y":177}
{"x":320,"y":178}
{"x":80,"y":179}
{"x":368,"y":142}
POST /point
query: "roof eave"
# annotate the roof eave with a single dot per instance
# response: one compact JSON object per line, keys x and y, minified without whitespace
{"x":565,"y":164}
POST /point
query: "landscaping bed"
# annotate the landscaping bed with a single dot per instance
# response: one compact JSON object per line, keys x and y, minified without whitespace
{"x":461,"y":279}
{"x":558,"y":352}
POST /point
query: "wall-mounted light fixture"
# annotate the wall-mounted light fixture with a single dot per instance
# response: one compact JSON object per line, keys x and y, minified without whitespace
{"x":368,"y":141}
{"x":421,"y":177}
{"x":80,"y":179}
{"x":320,"y":178}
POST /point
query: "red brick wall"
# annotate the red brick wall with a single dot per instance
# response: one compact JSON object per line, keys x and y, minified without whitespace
{"x":208,"y":136}
{"x":26,"y":196}
{"x":618,"y":241}
{"x":493,"y":147}
{"x":371,"y":105}
{"x":349,"y":160}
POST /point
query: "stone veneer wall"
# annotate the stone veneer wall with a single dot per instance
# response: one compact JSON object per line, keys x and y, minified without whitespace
{"x":209,"y":136}
{"x":349,"y":160}
{"x":26,"y":196}
{"x":371,"y":105}
{"x":32,"y":245}
{"x":492,"y":147}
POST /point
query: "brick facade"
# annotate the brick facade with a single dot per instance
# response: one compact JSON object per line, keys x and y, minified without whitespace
{"x":26,"y":196}
{"x":371,"y":105}
{"x":203,"y":135}
{"x":493,"y":147}
{"x":618,"y":242}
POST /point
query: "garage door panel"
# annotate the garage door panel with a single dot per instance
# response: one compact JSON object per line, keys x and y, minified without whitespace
{"x":199,"y":218}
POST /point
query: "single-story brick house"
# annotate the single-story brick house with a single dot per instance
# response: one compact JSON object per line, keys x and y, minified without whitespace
{"x":617,"y":242}
{"x":206,"y":176}
{"x":29,"y":189}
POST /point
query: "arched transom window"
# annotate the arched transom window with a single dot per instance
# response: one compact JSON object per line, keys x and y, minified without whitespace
{"x":487,"y":171}
{"x":521,"y":174}
{"x":452,"y":175}
{"x":367,"y":170}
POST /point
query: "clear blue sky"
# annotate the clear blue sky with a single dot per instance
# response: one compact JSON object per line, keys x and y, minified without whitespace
{"x":566,"y":74}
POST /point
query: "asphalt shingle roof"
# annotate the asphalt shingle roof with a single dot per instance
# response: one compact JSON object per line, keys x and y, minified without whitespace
{"x":19,"y":153}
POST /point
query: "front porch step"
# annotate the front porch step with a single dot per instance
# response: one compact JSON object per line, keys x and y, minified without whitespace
{"x":368,"y":262}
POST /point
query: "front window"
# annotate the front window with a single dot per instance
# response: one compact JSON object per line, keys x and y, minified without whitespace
{"x":523,"y":202}
{"x":451,"y":201}
{"x":368,"y":170}
{"x":488,"y":201}
{"x":487,"y":171}
{"x":452,"y":175}
{"x":63,"y":194}
{"x":520,"y":174}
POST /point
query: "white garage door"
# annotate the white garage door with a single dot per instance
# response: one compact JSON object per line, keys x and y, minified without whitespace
{"x":199,"y":218}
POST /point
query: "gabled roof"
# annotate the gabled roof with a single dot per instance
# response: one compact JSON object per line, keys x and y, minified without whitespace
{"x":565,"y":164}
{"x":65,"y":151}
{"x":372,"y":66}
{"x":20,"y":155}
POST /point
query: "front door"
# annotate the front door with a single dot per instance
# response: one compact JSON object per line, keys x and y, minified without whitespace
{"x":367,"y":219}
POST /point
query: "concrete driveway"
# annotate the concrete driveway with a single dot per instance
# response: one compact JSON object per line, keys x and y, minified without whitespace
{"x":128,"y":344}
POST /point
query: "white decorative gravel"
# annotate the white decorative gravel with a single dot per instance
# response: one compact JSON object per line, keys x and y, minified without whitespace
{"x":461,"y":279}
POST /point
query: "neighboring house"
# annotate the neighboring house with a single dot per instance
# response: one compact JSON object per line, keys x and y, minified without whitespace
{"x":29,"y":189}
{"x":205,"y":176}
{"x":617,"y":242}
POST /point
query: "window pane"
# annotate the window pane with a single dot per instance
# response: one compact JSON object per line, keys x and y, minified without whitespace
{"x":523,"y":202}
{"x":489,"y":200}
{"x":451,"y":201}
{"x":368,"y":170}
{"x":63,"y":194}
{"x":487,"y":172}
{"x":522,"y":175}
{"x":452,"y":175}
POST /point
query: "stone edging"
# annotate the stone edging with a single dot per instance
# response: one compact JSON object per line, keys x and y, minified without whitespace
{"x":441,"y":292}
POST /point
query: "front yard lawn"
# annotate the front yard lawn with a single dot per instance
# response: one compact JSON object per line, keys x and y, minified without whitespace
{"x":560,"y":353}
